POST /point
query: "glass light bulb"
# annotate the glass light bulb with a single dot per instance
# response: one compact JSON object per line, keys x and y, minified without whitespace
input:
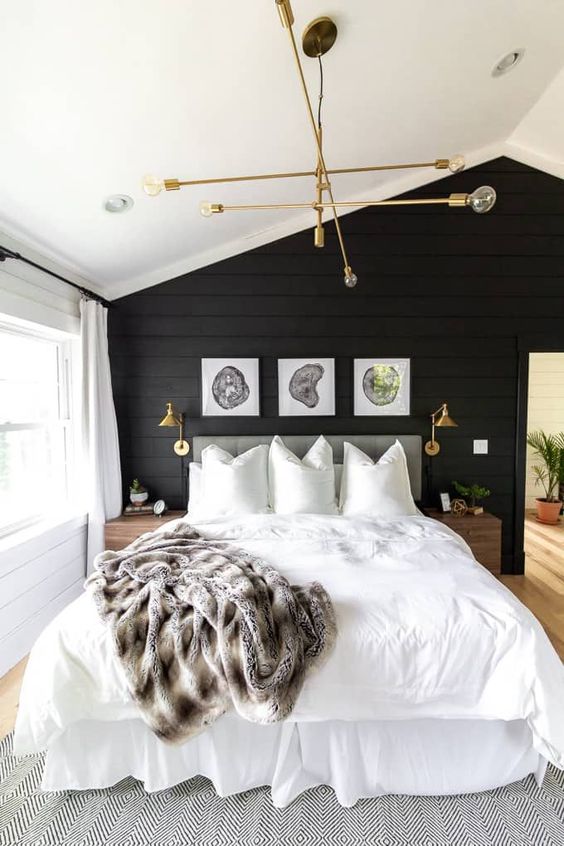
{"x":483,"y":199}
{"x":206,"y":209}
{"x":456,"y":164}
{"x":152,"y":185}
{"x":351,"y":279}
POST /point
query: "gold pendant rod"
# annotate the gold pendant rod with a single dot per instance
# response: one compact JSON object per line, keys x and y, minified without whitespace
{"x":319,"y":233}
{"x":178,"y":183}
{"x":287,"y":18}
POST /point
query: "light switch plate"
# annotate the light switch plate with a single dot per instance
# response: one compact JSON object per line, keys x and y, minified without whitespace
{"x":480,"y":447}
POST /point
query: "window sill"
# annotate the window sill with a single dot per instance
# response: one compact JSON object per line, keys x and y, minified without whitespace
{"x":60,"y":525}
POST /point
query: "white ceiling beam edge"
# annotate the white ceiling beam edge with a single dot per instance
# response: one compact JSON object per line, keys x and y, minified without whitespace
{"x":531,"y":158}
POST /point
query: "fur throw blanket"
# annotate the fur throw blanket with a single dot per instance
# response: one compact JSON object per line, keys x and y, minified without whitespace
{"x":200,"y":626}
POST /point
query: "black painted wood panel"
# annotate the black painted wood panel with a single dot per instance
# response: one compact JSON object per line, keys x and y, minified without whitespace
{"x":448,"y":288}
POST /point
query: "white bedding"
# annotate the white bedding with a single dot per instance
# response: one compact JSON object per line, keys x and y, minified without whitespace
{"x":424,"y":632}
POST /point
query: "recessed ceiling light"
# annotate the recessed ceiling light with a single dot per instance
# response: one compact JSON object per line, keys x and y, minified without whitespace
{"x":118,"y":203}
{"x":508,"y":62}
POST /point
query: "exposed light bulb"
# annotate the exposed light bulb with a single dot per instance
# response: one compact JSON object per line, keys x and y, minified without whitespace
{"x":350,"y":278}
{"x":456,"y":164}
{"x":152,"y":185}
{"x":206,"y":209}
{"x":483,"y":199}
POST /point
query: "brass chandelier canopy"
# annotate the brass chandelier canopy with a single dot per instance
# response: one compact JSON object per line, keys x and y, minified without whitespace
{"x":318,"y":37}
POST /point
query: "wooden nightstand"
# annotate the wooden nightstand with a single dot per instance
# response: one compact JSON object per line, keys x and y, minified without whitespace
{"x":482,"y":534}
{"x":123,"y":530}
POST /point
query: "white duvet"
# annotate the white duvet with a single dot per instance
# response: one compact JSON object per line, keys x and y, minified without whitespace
{"x":424,"y":631}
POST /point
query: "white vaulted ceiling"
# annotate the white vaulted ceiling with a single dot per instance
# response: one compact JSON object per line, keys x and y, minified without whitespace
{"x":96,"y":95}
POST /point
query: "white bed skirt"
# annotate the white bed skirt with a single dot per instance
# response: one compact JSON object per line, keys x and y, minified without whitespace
{"x":357,"y":759}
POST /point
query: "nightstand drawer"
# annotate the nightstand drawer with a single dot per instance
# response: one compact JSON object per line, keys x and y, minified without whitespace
{"x":487,"y":553}
{"x":122,"y":531}
{"x":475,"y":533}
{"x":482,"y":533}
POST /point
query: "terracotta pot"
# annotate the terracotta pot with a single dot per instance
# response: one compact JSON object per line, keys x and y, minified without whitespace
{"x":548,"y":512}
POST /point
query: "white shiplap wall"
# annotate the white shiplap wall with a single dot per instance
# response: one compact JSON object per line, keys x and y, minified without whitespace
{"x":43,"y":568}
{"x":546,"y":406}
{"x":41,"y":571}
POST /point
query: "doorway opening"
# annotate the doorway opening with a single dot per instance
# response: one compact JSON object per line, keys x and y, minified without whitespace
{"x":541,"y":420}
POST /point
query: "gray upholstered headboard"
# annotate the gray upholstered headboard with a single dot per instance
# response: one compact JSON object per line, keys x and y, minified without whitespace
{"x":372,"y":445}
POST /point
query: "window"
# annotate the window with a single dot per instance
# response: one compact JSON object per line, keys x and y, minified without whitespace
{"x":36,"y":437}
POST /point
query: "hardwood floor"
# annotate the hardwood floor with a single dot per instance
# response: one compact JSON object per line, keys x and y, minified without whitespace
{"x":541,"y":589}
{"x":9,"y":693}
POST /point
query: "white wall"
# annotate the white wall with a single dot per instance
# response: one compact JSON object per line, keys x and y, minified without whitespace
{"x":40,"y":573}
{"x":546,"y":406}
{"x":42,"y":568}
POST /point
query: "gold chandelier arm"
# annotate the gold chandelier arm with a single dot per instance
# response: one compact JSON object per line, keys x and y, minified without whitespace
{"x":175,"y":184}
{"x":287,"y":18}
{"x":438,"y":164}
{"x":182,"y":182}
{"x":453,"y":201}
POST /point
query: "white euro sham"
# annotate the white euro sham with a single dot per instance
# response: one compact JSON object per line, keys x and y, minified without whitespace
{"x":232,"y":485}
{"x":305,"y":486}
{"x":380,"y":489}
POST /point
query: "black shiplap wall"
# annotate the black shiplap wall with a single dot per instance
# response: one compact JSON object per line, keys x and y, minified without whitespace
{"x":451,"y":289}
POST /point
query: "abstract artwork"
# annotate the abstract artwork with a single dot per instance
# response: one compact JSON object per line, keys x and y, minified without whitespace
{"x":306,"y":387}
{"x":230,"y":387}
{"x":382,"y":386}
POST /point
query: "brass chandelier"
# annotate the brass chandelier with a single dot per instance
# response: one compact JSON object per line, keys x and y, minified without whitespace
{"x":318,"y":37}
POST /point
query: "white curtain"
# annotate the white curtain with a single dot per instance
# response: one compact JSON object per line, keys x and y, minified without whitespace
{"x":99,"y":427}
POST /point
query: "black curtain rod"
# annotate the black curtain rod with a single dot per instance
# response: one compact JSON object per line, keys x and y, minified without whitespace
{"x":6,"y":253}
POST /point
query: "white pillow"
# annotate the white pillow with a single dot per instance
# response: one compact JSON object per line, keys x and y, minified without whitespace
{"x":234,"y":485}
{"x":194,"y":485}
{"x":338,"y":477}
{"x":381,"y":489}
{"x":302,"y":487}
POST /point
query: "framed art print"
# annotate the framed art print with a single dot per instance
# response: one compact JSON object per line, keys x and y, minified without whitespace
{"x":230,"y":387}
{"x":306,"y":387}
{"x":382,"y":386}
{"x":445,"y":502}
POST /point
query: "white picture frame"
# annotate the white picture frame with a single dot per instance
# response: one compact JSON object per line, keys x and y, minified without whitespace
{"x":230,"y":387}
{"x":306,"y":387}
{"x":445,"y":502}
{"x":392,"y":396}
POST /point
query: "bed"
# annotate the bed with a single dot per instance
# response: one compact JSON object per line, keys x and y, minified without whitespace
{"x":440,"y":682}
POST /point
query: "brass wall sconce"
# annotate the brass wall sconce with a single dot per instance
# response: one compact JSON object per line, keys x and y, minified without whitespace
{"x":432,"y":447}
{"x":181,"y":447}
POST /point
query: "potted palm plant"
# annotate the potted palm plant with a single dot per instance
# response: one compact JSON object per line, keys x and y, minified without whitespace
{"x":549,"y":449}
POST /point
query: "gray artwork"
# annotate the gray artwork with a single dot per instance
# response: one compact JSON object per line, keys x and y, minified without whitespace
{"x":230,"y":388}
{"x":303,"y":384}
{"x":306,"y":387}
{"x":381,"y":384}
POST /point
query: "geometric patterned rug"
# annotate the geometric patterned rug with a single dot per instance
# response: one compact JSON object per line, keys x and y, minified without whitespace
{"x":192,"y":813}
